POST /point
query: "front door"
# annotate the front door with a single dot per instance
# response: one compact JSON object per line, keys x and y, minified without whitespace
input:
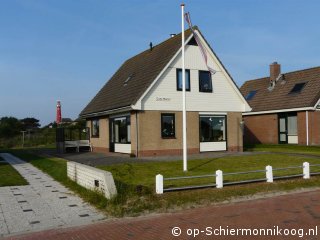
{"x":283,"y":137}
{"x":288,"y":128}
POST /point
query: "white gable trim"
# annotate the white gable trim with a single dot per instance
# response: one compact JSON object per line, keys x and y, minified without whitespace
{"x":278,"y":111}
{"x":236,"y":89}
{"x":317,"y":106}
{"x":137,"y":105}
{"x":247,"y":108}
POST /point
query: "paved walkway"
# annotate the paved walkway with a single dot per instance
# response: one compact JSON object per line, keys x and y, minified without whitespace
{"x":43,"y":204}
{"x":290,"y":212}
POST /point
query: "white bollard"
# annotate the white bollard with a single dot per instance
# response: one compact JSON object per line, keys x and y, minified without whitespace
{"x":306,"y":170}
{"x":159,"y":184}
{"x":219,"y":179}
{"x":269,"y":174}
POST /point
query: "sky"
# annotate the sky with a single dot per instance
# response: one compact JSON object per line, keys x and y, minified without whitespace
{"x":68,"y":49}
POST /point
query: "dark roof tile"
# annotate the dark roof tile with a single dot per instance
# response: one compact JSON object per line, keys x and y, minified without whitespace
{"x":280,"y":97}
{"x":144,"y":68}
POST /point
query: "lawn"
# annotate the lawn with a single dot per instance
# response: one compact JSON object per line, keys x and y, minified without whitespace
{"x":313,"y":150}
{"x":136,"y":182}
{"x":144,"y":173}
{"x":9,"y":176}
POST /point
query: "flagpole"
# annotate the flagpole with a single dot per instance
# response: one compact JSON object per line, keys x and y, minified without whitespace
{"x":184,"y":120}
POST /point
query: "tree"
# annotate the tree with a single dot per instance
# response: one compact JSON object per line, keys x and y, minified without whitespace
{"x":30,"y":123}
{"x":9,"y":127}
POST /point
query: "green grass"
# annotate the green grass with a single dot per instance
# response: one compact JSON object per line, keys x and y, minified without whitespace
{"x":9,"y":176}
{"x":144,"y":173}
{"x":313,"y":150}
{"x":136,"y":181}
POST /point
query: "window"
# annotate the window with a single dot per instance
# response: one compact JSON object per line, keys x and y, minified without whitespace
{"x":250,"y":95}
{"x":122,"y":130}
{"x":298,"y":88}
{"x":205,"y":83}
{"x":193,"y":42}
{"x":168,"y":125}
{"x":212,"y":128}
{"x":179,"y":79}
{"x":95,"y":128}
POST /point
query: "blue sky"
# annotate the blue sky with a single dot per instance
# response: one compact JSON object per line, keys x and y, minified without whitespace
{"x":68,"y":49}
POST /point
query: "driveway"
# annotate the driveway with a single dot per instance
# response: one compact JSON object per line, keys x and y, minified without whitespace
{"x":43,"y":204}
{"x":103,"y":159}
{"x":288,"y":216}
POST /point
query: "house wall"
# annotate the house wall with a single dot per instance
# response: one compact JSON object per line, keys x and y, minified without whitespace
{"x":101,"y":143}
{"x":234,"y":132}
{"x":152,"y":144}
{"x":264,"y":128}
{"x":261,"y":129}
{"x":164,"y":95}
{"x":314,"y":128}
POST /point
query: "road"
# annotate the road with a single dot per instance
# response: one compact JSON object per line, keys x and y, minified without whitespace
{"x":287,"y":214}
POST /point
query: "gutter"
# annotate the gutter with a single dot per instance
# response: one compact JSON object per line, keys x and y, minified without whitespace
{"x":278,"y":111}
{"x":107,"y":112}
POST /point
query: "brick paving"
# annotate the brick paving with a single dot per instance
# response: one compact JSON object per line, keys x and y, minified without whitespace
{"x":298,"y":210}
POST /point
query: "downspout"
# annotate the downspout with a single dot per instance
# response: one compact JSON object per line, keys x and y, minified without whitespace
{"x":307,"y":127}
{"x":137,"y":138}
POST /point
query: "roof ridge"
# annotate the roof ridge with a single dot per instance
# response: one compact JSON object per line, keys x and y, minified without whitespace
{"x":295,"y":71}
{"x":159,"y":44}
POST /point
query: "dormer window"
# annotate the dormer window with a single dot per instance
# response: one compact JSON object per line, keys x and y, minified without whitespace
{"x":297,"y":88}
{"x":251,"y":94}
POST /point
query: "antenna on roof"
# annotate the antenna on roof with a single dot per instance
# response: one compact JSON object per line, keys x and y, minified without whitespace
{"x":151,"y":47}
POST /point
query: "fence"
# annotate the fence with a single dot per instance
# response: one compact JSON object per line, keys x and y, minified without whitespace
{"x":220,"y":183}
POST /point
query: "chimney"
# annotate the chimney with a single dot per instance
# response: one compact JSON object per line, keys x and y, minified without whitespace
{"x":275,"y":70}
{"x":151,"y":46}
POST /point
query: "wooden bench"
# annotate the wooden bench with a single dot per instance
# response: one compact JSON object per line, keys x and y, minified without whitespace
{"x":77,"y":144}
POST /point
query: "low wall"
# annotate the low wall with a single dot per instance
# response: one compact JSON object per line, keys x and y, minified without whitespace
{"x":92,"y":178}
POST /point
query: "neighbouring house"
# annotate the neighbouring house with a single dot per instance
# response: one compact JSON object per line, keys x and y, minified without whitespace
{"x":139,"y":110}
{"x":285,"y":107}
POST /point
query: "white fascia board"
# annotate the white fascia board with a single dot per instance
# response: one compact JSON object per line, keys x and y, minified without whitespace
{"x":108,"y":112}
{"x":247,"y":107}
{"x":212,"y":113}
{"x":137,"y":105}
{"x":317,"y":104}
{"x":278,"y":111}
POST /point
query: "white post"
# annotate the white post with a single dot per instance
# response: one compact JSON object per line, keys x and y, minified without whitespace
{"x":184,"y":114}
{"x":269,"y":174}
{"x":307,"y":127}
{"x":219,"y":179}
{"x":159,"y":184}
{"x":306,"y":170}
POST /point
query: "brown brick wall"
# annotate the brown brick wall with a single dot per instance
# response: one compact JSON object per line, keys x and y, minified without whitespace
{"x":150,"y":141}
{"x":234,"y":132}
{"x":301,"y":118}
{"x":103,"y":140}
{"x":261,"y":129}
{"x":314,"y":128}
{"x":100,"y":150}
